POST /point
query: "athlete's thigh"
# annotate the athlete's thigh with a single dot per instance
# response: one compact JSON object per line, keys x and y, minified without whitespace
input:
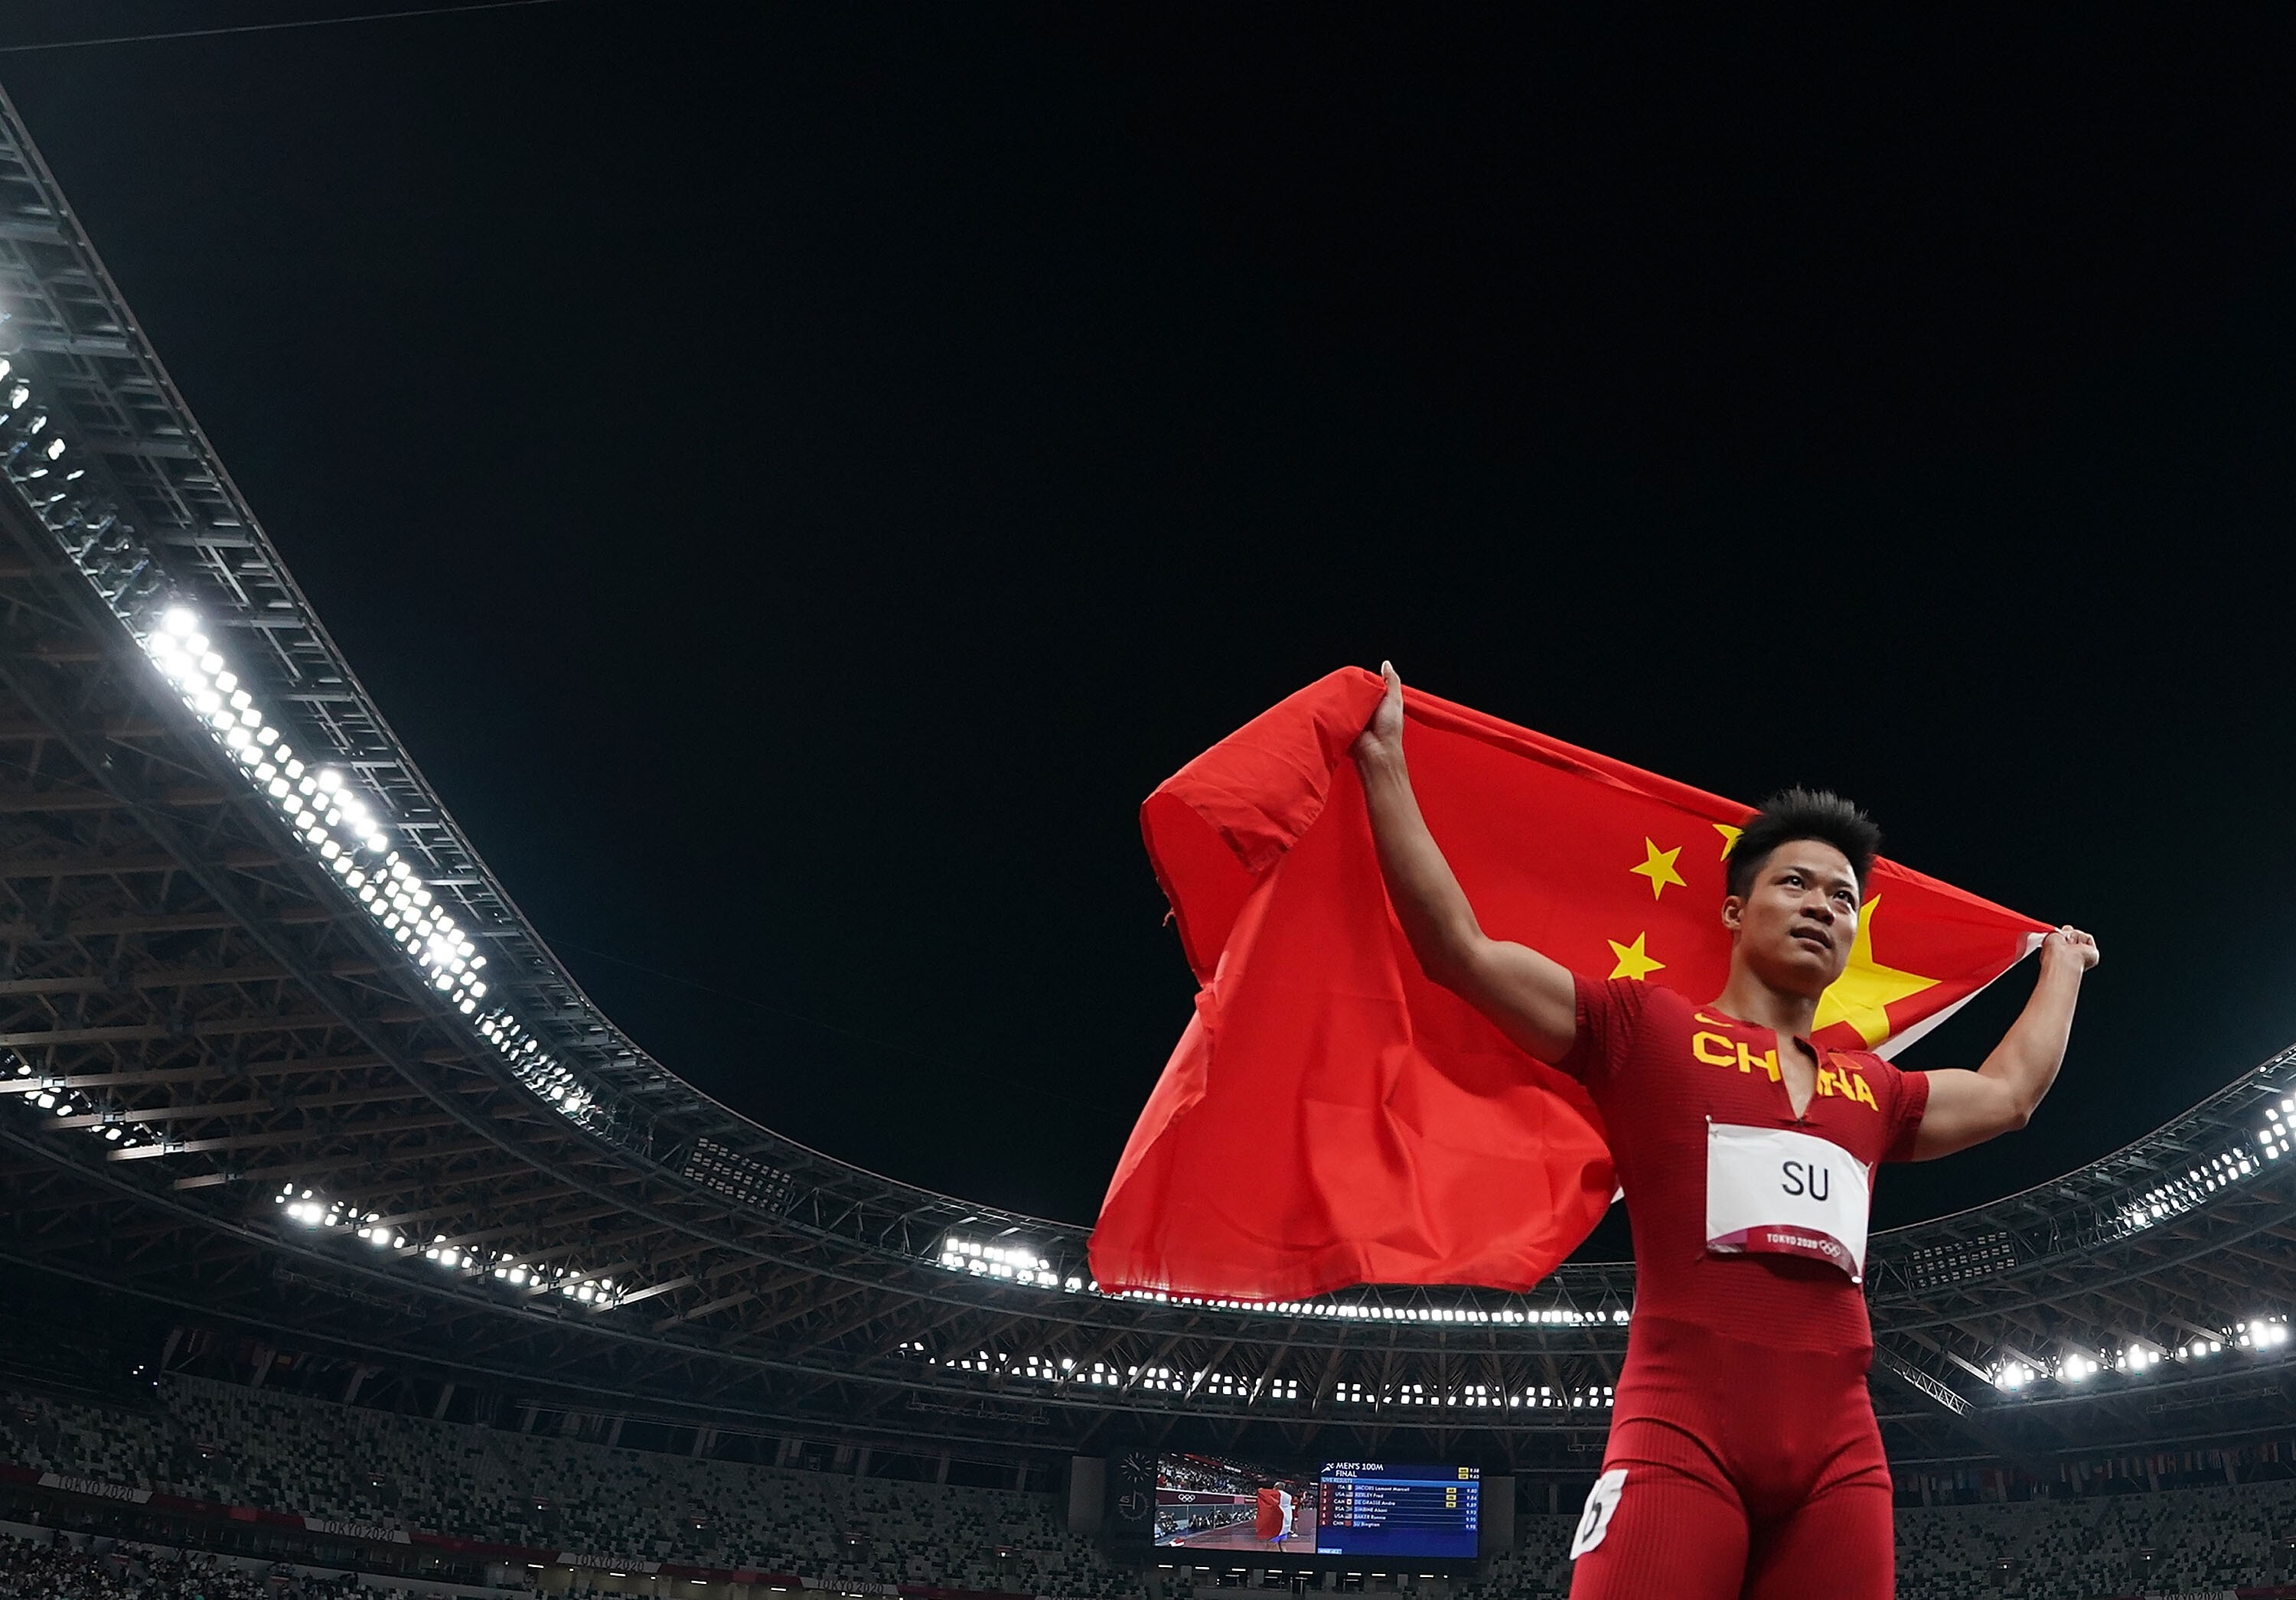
{"x":1666,"y":1532}
{"x":1841,"y":1543}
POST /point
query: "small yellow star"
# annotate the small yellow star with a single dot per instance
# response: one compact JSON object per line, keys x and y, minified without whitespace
{"x":1660,"y":868}
{"x":1729,"y":837}
{"x":1633,"y":960}
{"x":1861,"y":995}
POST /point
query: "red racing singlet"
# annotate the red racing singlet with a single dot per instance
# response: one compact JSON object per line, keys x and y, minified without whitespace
{"x":1743,"y":1460}
{"x":1660,"y":1069}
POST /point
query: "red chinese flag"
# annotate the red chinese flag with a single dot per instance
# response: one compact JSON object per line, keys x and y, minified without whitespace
{"x":1330,"y":1116}
{"x":1267,"y":1515}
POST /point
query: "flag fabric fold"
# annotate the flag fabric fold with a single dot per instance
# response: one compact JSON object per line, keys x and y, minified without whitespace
{"x":1330,"y":1116}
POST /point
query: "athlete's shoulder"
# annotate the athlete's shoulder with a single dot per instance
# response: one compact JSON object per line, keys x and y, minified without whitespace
{"x":1611,"y":1014}
{"x":1628,"y":998}
{"x":1867,"y":1062}
{"x":1656,"y":1003}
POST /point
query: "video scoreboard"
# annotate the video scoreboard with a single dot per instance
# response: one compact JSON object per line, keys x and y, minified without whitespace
{"x":1393,"y":1508}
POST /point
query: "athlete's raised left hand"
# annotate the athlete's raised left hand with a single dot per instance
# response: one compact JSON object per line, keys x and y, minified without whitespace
{"x":2069,"y":944}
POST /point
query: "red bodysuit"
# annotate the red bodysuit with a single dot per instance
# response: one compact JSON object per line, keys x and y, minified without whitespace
{"x":1743,"y":1457}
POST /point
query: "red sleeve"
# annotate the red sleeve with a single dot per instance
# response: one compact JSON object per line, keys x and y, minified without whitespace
{"x":1606,"y":1014}
{"x":1909,"y":1099}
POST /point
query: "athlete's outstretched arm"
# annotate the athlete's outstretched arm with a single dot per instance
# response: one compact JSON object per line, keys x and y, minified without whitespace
{"x":1968,"y":1108}
{"x":1528,"y":997}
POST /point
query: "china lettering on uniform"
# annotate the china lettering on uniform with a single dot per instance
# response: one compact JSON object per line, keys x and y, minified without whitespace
{"x":1720,"y":1050}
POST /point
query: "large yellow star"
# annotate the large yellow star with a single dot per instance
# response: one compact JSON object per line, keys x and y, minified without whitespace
{"x":1729,"y":837}
{"x":1633,"y":960}
{"x":1867,"y":987}
{"x":1660,"y":868}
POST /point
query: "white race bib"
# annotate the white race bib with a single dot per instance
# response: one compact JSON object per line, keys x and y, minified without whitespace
{"x":1770,"y":1190}
{"x":1602,"y":1505}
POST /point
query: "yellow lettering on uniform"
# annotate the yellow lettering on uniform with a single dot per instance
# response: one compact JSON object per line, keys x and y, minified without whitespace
{"x":1863,"y":1093}
{"x":1698,"y":1043}
{"x":1825,"y":1082}
{"x":1700,"y":1016}
{"x":1767,"y":1061}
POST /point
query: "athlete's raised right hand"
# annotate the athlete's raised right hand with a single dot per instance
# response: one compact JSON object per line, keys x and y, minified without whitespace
{"x":1382,"y":735}
{"x":1532,"y":999}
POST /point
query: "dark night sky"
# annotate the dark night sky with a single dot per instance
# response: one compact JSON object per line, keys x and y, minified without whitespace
{"x":796,"y":489}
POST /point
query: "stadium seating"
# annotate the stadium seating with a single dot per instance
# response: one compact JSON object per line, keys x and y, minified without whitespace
{"x":231,"y":1444}
{"x":32,"y":1569}
{"x":222,"y":1442}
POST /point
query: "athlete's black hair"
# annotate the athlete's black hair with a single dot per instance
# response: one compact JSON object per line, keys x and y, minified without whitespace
{"x":1799,"y":813}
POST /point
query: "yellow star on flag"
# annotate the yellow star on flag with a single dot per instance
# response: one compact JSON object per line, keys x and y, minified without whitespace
{"x":1633,"y":960}
{"x":1729,"y":837}
{"x":1660,"y":868}
{"x":1866,"y":987}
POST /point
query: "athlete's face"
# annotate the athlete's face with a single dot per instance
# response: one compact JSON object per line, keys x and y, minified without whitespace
{"x":1795,"y":926}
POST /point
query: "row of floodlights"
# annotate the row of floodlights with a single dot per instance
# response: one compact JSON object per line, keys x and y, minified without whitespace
{"x":1024,"y":1264}
{"x":324,"y":806}
{"x":2276,"y":1137}
{"x":48,"y":1092}
{"x":1169,"y":1380}
{"x":321,"y":807}
{"x":2175,"y":1195}
{"x":317,"y":1211}
{"x":2014,"y":1373}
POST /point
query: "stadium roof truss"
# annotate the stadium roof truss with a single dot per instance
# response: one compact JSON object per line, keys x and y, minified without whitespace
{"x":276,"y":1048}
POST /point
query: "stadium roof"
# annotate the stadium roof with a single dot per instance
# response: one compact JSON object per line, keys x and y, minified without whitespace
{"x":276,"y":1048}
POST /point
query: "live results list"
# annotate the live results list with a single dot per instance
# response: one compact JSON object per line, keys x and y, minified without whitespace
{"x":1370,"y":1507}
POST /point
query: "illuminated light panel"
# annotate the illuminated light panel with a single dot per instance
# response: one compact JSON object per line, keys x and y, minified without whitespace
{"x":2180,"y":1193}
{"x":2274,"y":1138}
{"x":40,"y":1093}
{"x":1012,"y":1263}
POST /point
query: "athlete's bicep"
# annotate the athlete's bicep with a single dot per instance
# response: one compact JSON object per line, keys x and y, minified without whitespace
{"x":1532,"y":999}
{"x":1965,"y":1108}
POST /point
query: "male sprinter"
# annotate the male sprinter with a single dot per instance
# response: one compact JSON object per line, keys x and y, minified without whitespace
{"x":1744,"y":1463}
